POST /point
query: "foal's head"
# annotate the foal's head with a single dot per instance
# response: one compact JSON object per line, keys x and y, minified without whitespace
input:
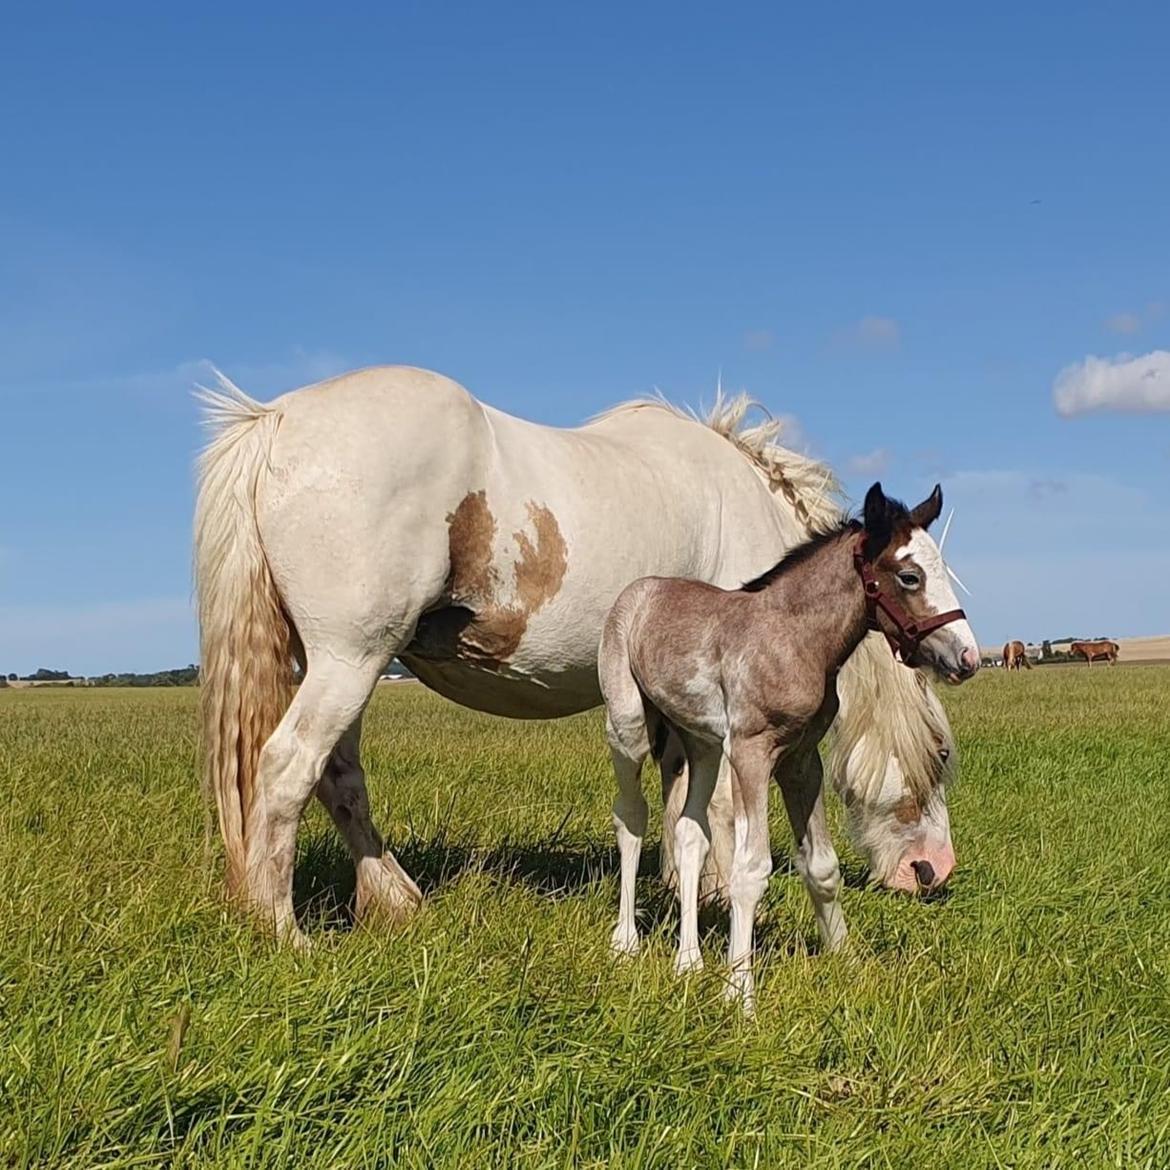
{"x":898,"y":817}
{"x":909,"y":571}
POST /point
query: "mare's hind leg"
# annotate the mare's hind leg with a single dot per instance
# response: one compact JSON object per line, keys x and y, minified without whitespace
{"x":328,"y":701}
{"x":384,"y":889}
{"x":692,"y":840}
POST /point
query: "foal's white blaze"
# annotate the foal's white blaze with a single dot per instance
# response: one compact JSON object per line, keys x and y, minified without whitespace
{"x":951,"y":649}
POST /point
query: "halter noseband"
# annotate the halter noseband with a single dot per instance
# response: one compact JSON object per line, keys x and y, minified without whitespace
{"x":909,"y":634}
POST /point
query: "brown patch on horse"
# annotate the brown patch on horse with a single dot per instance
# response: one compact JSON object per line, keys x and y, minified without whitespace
{"x":471,"y":531}
{"x":479,"y":626}
{"x":907,"y":812}
{"x":541,"y":566}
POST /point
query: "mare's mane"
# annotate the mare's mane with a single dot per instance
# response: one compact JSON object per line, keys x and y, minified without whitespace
{"x":809,"y":486}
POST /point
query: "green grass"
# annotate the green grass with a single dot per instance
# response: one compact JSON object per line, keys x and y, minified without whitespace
{"x":1024,"y":1021}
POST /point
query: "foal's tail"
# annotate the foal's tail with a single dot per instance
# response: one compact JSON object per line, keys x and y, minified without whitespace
{"x":244,"y":633}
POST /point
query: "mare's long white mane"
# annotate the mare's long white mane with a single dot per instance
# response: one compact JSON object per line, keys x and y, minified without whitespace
{"x":809,"y":486}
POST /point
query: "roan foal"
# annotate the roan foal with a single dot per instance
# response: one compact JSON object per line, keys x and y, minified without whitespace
{"x":752,"y":673}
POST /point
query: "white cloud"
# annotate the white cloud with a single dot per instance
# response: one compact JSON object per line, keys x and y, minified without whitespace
{"x":758,"y":340}
{"x":1123,"y":323}
{"x":1042,"y":489}
{"x":1130,"y":323}
{"x":1138,"y":385}
{"x":873,"y":463}
{"x":875,"y":334}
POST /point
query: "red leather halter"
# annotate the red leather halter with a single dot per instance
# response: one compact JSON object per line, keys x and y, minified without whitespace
{"x":909,"y":633}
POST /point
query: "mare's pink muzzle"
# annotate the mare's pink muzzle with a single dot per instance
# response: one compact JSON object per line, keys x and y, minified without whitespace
{"x":924,"y":870}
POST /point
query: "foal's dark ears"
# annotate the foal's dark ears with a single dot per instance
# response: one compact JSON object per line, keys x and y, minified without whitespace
{"x":878,"y":516}
{"x":928,"y":511}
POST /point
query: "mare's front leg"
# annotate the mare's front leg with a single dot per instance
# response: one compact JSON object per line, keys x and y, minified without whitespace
{"x":752,"y":762}
{"x":801,"y":782}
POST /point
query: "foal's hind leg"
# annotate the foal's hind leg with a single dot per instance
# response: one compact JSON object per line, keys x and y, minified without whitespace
{"x":629,"y":822}
{"x":384,"y":889}
{"x":692,"y":840}
{"x":629,"y":744}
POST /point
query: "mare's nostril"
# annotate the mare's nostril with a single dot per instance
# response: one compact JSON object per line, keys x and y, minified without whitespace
{"x":924,"y":872}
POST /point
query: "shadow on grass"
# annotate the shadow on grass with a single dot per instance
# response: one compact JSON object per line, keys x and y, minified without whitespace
{"x":556,"y":868}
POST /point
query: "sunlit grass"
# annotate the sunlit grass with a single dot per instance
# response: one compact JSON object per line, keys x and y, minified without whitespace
{"x":1022,"y":1021}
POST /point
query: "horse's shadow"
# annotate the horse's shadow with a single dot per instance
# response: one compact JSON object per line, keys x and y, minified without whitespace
{"x":556,"y":868}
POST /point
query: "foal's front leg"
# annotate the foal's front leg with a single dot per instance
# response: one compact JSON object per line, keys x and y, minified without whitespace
{"x":801,"y":782}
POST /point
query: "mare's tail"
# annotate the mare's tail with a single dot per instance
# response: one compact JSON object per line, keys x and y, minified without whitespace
{"x":245,"y":636}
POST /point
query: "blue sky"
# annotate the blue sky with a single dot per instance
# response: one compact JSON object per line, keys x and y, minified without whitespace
{"x":897,"y":224}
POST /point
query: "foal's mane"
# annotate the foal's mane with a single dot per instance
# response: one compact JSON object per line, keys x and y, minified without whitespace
{"x":799,"y":554}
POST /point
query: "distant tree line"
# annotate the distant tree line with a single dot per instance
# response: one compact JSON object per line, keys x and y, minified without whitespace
{"x":184,"y":676}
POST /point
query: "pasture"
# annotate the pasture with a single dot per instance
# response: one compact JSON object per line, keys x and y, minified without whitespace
{"x":1021,"y":1020}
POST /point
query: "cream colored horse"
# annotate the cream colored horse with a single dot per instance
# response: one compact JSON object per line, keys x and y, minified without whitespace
{"x":388,"y":512}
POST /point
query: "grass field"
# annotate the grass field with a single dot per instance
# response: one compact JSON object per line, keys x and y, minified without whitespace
{"x":1023,"y":1021}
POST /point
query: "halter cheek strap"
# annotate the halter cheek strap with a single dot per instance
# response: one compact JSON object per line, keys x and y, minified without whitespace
{"x":908,"y":633}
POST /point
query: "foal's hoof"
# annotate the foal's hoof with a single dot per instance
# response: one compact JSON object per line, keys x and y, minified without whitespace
{"x":290,"y":936}
{"x":298,"y":941}
{"x":688,"y":961}
{"x":624,"y":943}
{"x":741,"y":988}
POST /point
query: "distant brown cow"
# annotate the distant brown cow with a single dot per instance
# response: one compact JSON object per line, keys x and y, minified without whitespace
{"x":1100,"y":649}
{"x":1014,"y":656}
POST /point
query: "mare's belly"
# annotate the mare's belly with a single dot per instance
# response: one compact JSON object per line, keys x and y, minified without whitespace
{"x":542,"y":695}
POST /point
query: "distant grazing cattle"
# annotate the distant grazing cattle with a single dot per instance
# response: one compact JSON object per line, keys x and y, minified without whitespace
{"x":1014,"y":656}
{"x":1099,"y":649}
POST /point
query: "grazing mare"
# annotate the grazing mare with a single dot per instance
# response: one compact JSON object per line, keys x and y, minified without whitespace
{"x":1102,"y":648}
{"x":1014,"y":656}
{"x":388,"y":512}
{"x":750,"y":674}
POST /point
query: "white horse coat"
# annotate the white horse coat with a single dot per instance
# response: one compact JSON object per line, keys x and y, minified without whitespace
{"x":387,"y":512}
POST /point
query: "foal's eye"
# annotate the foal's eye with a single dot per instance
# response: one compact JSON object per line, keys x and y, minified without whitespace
{"x":909,"y":580}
